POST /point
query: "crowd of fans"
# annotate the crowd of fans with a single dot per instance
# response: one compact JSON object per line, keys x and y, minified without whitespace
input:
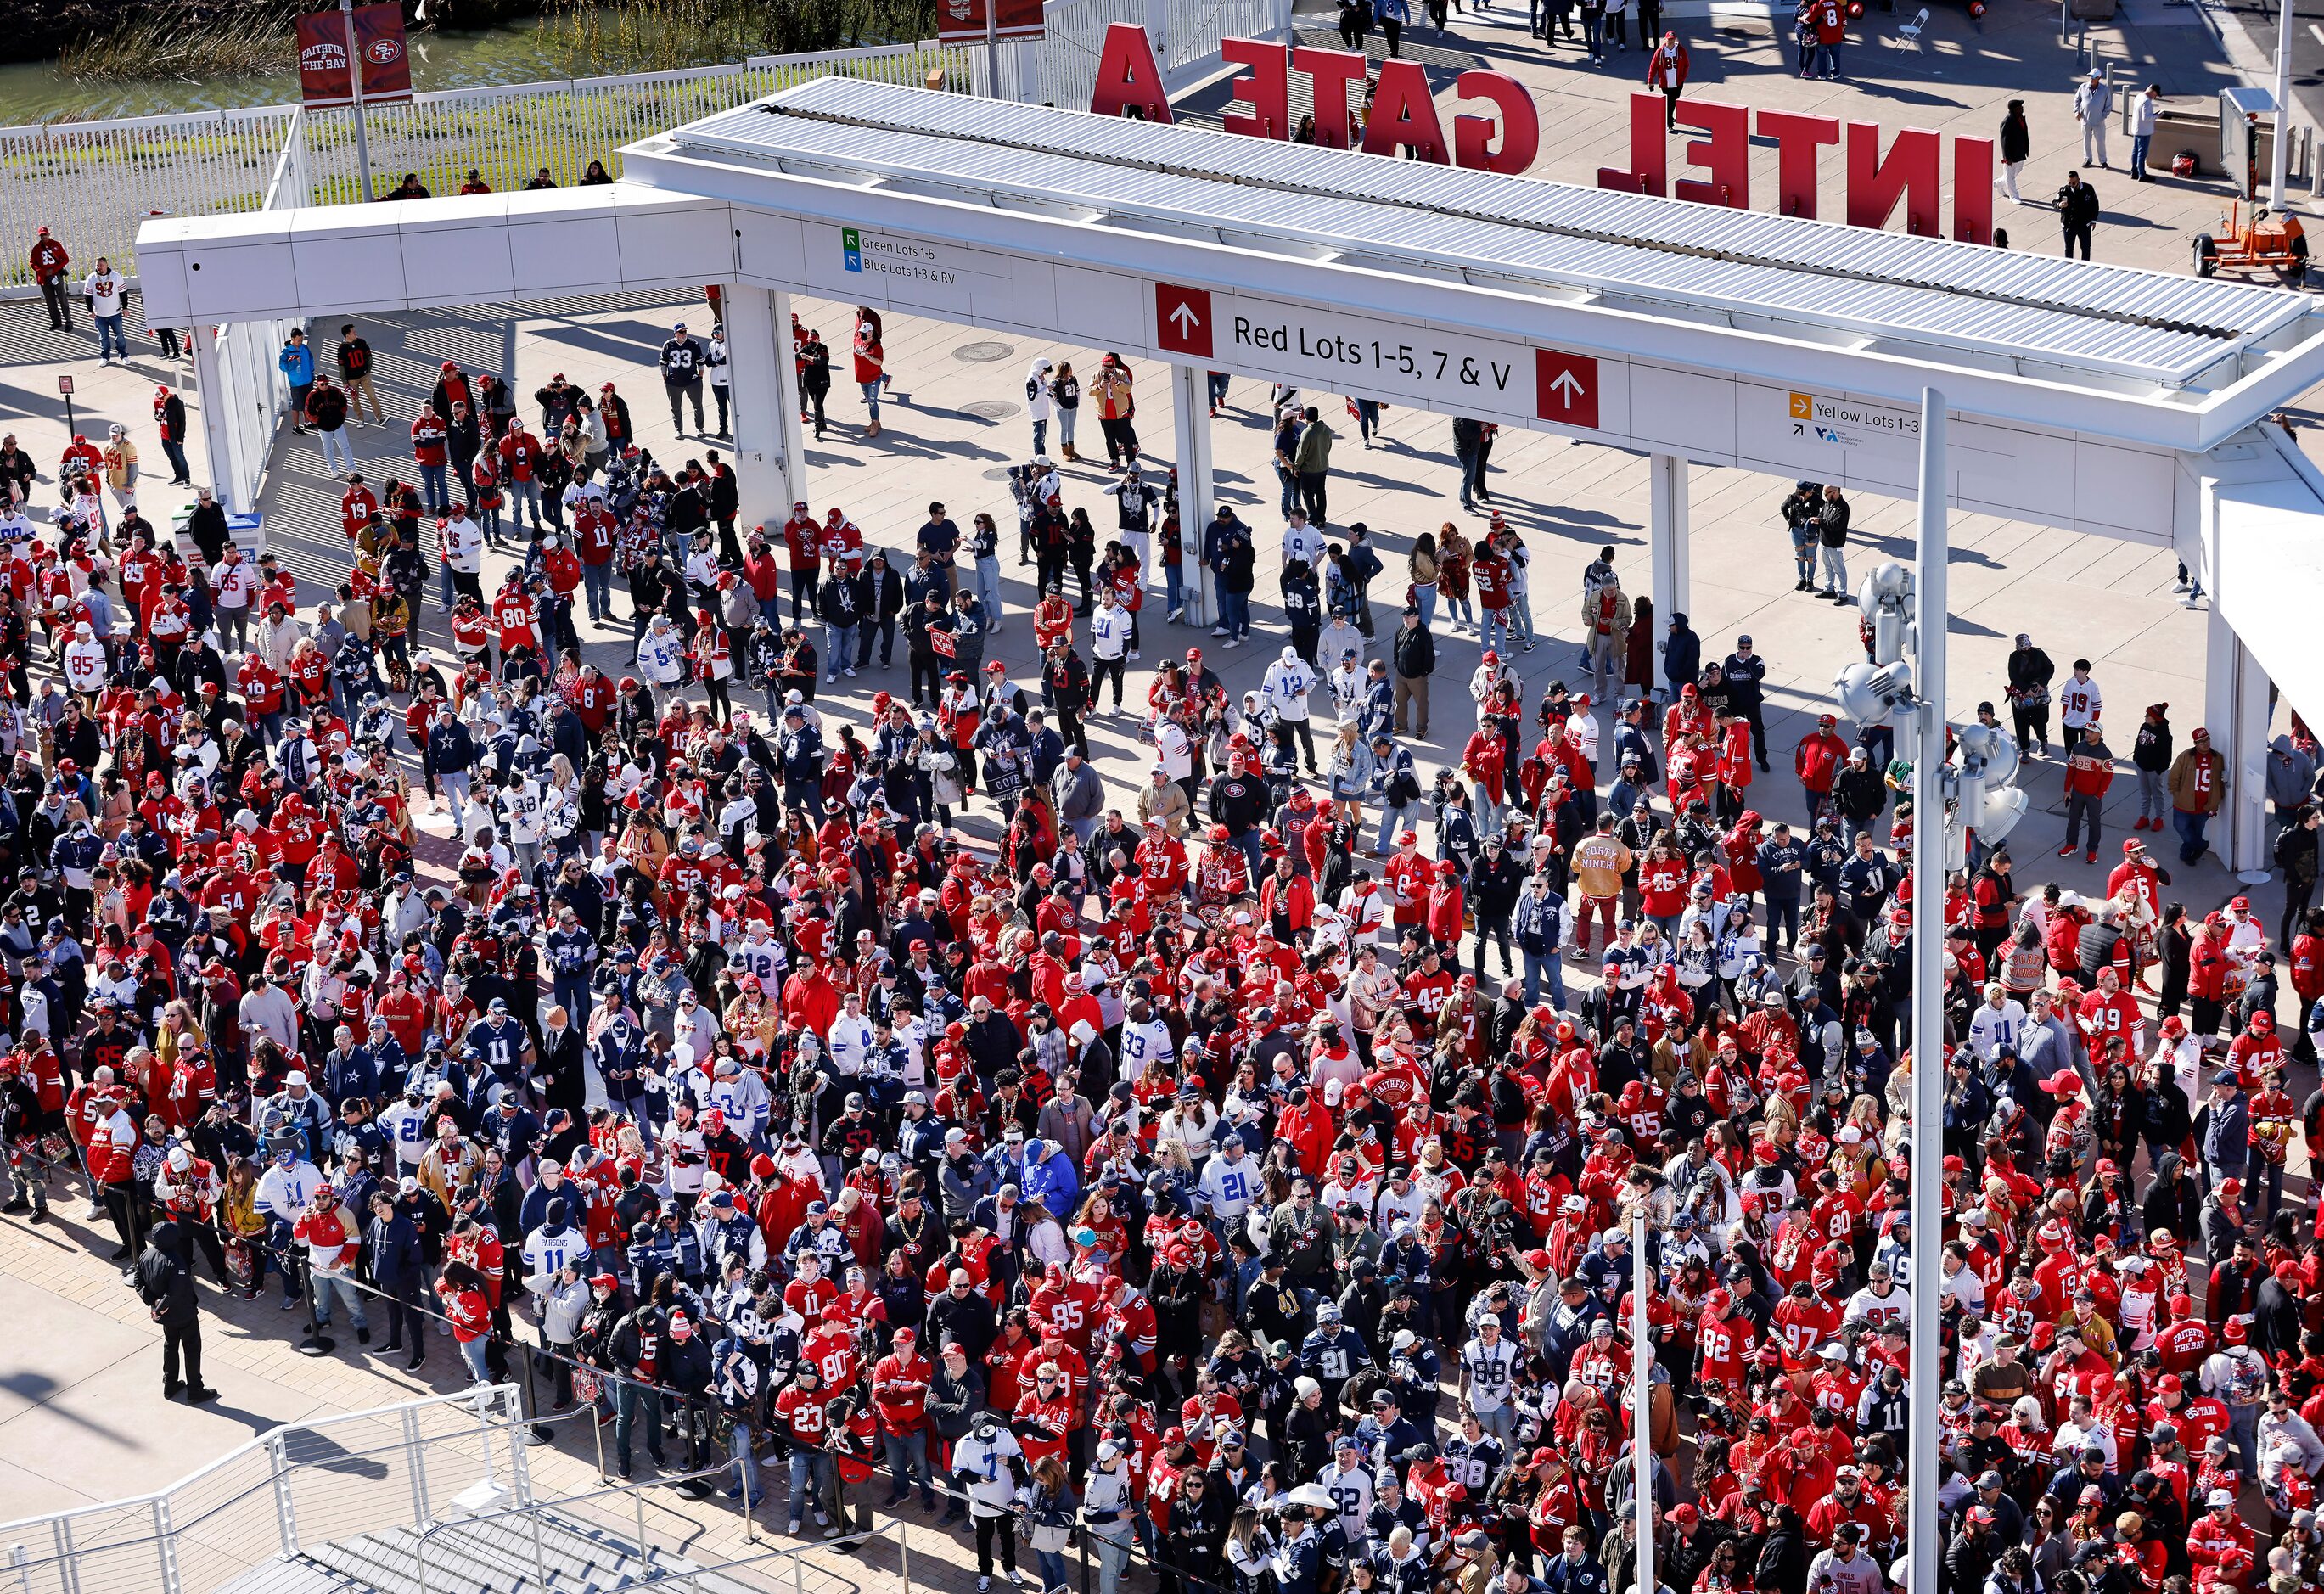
{"x":1172,"y":1173}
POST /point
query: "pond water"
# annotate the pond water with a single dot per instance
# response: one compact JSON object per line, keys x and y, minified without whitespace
{"x":35,"y":91}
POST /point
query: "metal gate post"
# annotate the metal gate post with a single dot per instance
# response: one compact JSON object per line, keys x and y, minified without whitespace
{"x":165,"y":1550}
{"x":416,"y":1459}
{"x":519,"y":1472}
{"x":286,"y":1515}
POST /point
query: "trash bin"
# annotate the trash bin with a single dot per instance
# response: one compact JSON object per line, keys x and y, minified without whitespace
{"x":248,"y":532}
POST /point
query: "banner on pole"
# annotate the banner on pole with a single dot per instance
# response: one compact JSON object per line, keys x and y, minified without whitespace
{"x":379,"y":45}
{"x":962,"y":22}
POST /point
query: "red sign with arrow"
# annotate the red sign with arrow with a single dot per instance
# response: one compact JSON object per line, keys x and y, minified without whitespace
{"x":1566,"y":387}
{"x":1182,"y":320}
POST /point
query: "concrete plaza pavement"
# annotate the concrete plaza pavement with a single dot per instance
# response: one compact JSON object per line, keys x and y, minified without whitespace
{"x":1957,"y":81}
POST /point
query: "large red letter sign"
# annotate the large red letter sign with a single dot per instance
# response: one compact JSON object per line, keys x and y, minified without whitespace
{"x":1267,"y":87}
{"x":1330,"y":71}
{"x":1973,"y":189}
{"x":1726,"y":155}
{"x":1404,"y":116}
{"x":1520,"y":125}
{"x":1908,"y":171}
{"x":1799,"y":144}
{"x":1649,"y":171}
{"x":1127,"y":76}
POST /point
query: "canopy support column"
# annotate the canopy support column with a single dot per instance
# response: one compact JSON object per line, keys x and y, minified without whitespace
{"x":1669,"y":559}
{"x":2236,"y":704}
{"x":769,"y":444}
{"x":1197,"y":489}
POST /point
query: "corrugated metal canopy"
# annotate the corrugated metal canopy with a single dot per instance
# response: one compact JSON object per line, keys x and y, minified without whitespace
{"x":1831,"y":282}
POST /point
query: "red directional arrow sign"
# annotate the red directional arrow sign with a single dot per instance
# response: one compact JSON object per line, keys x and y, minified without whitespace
{"x":1566,"y":387}
{"x":1182,"y":320}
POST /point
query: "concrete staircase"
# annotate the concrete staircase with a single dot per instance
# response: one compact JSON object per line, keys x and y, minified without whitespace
{"x":494,"y":1555}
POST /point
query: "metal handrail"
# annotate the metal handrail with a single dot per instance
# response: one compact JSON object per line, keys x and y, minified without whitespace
{"x":495,"y":1394}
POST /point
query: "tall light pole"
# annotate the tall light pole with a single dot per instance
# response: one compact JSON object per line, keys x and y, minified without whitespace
{"x":2280,"y":173}
{"x":355,"y":99}
{"x":1929,"y":848}
{"x":1642,"y":1385}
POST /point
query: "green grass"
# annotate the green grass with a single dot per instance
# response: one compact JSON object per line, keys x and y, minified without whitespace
{"x":605,"y":37}
{"x":254,"y":42}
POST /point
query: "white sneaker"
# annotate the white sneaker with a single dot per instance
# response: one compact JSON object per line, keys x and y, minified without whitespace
{"x":1218,"y":631}
{"x":850,"y":674}
{"x":821,"y":1518}
{"x":1234,"y":642}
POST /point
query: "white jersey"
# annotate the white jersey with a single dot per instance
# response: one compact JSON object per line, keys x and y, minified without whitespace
{"x":520,"y":805}
{"x":1229,"y":1187}
{"x":1352,"y":1492}
{"x":1863,"y":1306}
{"x":685,"y":1165}
{"x":983,"y":1458}
{"x":230,"y":585}
{"x":85,"y":665}
{"x":1304,"y":541}
{"x":283,"y":1192}
{"x":463,"y":545}
{"x":1172,"y":751}
{"x":850,"y":1042}
{"x":662,"y":655}
{"x":2079,"y":702}
{"x":1288,"y":682}
{"x":1396,"y":1209}
{"x":1110,"y":632}
{"x":761,"y":957}
{"x":744,"y":1099}
{"x":1490,"y":1369}
{"x":1141,"y":1044}
{"x":546,"y":1255}
{"x":406,"y":1127}
{"x":1991,"y":1027}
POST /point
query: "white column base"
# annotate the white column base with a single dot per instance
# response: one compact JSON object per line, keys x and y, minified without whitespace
{"x":769,"y":445}
{"x":1669,"y":561}
{"x":2236,"y":708}
{"x":1197,"y":489}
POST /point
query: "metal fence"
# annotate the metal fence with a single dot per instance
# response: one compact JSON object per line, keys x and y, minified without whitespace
{"x":1196,"y":26}
{"x":93,"y":182}
{"x":333,"y":1477}
{"x":509,"y":133}
{"x":1060,"y":68}
{"x":429,"y":1495}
